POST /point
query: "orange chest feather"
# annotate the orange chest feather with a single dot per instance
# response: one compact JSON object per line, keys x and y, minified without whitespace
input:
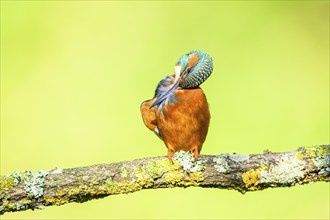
{"x":184,"y":123}
{"x":190,"y":107}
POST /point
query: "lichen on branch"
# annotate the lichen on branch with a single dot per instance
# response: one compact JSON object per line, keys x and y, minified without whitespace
{"x":35,"y":190}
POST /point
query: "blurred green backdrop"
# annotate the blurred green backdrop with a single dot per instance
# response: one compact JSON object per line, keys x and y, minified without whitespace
{"x":73,"y":75}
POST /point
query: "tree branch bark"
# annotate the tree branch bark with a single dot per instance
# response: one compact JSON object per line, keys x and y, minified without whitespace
{"x":31,"y":190}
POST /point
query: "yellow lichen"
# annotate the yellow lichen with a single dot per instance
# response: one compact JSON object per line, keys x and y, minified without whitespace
{"x":299,"y":155}
{"x":251,"y":179}
{"x":7,"y":206}
{"x":196,"y":177}
{"x":102,"y":189}
{"x":173,"y":178}
{"x":122,"y":187}
{"x":140,"y":178}
{"x":143,"y":178}
{"x":29,"y":196}
{"x":123,"y":171}
{"x":25,"y":201}
{"x":94,"y":183}
{"x":50,"y":200}
{"x":155,"y":169}
{"x":312,"y":152}
{"x":74,"y":191}
{"x":23,"y":204}
{"x":6,"y":183}
{"x":109,"y":181}
{"x":61,"y":193}
{"x":321,"y":150}
{"x":313,"y":178}
{"x":174,"y":175}
{"x":161,"y":166}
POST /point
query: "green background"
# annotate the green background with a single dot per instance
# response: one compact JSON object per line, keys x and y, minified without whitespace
{"x":73,"y":75}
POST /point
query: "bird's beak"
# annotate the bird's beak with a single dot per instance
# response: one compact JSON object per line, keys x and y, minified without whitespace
{"x":177,"y":77}
{"x":166,"y":94}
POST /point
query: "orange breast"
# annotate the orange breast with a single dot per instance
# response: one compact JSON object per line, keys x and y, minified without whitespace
{"x":184,"y":124}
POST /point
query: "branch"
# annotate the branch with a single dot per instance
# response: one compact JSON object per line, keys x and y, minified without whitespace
{"x":31,"y":190}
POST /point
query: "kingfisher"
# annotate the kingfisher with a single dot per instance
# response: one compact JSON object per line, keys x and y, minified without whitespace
{"x":179,"y":113}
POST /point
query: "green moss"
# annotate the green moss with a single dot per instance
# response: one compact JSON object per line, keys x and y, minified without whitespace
{"x":251,"y":179}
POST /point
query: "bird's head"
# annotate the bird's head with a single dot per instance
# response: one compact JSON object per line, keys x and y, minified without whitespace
{"x":191,"y":70}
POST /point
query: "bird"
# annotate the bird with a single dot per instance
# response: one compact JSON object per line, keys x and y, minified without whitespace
{"x":179,"y":112}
